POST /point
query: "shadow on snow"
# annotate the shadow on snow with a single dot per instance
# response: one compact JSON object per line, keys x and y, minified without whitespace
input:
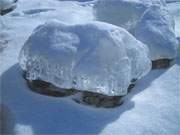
{"x":60,"y":115}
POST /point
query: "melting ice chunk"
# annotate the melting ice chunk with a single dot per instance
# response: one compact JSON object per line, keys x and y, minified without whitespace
{"x":96,"y":57}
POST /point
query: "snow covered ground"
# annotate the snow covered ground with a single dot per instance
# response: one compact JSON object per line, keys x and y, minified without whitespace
{"x":152,"y":107}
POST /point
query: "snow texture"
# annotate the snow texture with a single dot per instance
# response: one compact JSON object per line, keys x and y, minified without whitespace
{"x":152,"y":108}
{"x":156,"y":29}
{"x":96,"y":57}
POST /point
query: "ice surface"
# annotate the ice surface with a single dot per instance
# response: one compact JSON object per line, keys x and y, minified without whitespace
{"x":6,"y":4}
{"x":124,"y":13}
{"x":96,"y":56}
{"x":175,"y":12}
{"x":147,"y":20}
{"x":156,"y":29}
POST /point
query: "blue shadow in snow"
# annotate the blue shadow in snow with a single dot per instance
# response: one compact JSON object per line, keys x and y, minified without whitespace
{"x":52,"y":115}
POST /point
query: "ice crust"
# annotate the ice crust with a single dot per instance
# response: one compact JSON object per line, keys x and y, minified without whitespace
{"x":96,"y":57}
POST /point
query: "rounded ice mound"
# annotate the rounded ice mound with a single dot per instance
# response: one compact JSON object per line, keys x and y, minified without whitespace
{"x":156,"y":30}
{"x":123,"y":13}
{"x":96,"y":57}
{"x":148,"y":20}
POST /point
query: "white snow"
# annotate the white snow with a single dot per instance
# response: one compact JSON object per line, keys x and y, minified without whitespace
{"x":23,"y":130}
{"x":96,"y":57}
{"x":153,"y":106}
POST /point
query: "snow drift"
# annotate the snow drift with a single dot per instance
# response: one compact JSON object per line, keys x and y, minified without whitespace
{"x":96,"y":57}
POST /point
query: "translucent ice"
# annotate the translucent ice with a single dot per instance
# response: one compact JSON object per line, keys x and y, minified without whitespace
{"x":124,"y":13}
{"x":156,"y":29}
{"x":96,"y":57}
{"x":148,"y":20}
